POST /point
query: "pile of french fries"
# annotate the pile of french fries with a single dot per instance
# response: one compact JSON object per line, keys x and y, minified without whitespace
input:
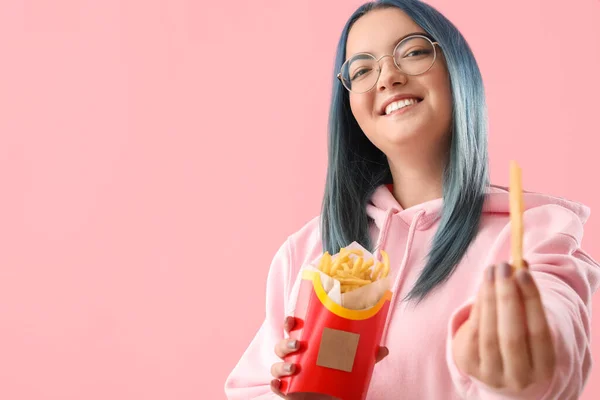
{"x":352,"y":270}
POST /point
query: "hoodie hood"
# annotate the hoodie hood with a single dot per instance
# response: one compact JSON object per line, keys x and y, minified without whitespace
{"x":383,"y":204}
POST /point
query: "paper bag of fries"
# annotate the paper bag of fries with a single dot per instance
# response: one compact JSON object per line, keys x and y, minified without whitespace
{"x":341,"y":307}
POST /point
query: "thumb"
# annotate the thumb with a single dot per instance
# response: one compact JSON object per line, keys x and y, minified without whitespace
{"x":381,"y":354}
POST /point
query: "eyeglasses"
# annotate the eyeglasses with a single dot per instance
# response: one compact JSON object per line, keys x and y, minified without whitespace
{"x":413,"y":55}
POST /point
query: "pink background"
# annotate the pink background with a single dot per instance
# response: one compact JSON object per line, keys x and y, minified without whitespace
{"x":152,"y":149}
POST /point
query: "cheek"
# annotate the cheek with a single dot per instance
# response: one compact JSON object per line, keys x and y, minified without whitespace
{"x":362,"y":109}
{"x":442,"y":97}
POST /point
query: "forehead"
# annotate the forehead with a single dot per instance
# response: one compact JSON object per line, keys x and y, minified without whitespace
{"x":378,"y":31}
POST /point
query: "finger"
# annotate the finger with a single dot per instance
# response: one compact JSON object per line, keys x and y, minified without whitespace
{"x":285,"y":347}
{"x":289,"y":323}
{"x":275,"y":386}
{"x":512,"y":331}
{"x":540,"y":337}
{"x":489,"y":349}
{"x":468,"y":355}
{"x":279,"y":370}
{"x":381,"y":354}
{"x":476,"y":308}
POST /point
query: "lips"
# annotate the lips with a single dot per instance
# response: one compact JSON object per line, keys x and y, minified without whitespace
{"x":400,"y":105}
{"x":396,"y":99}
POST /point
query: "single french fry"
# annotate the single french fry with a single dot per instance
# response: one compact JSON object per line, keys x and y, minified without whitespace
{"x":354,"y":281}
{"x":334,"y":269}
{"x":377,"y":271}
{"x":516,"y":214}
{"x":386,"y":264}
{"x":337,"y":263}
{"x":322,"y":263}
{"x":326,"y":262}
{"x":356,"y":252}
{"x":367,"y":264}
{"x":357,"y":265}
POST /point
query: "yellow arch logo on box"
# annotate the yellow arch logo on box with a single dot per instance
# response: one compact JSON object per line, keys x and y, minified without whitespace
{"x":337,"y":309}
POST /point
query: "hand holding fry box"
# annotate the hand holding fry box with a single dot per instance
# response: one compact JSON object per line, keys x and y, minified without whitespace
{"x":341,"y":309}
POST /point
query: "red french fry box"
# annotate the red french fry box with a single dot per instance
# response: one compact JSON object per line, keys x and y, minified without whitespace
{"x":337,"y":345}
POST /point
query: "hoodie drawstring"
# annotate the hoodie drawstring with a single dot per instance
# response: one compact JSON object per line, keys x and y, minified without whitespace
{"x":400,"y":274}
{"x":384,"y":231}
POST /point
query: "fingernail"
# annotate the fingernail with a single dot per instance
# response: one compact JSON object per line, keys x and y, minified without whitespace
{"x":524,"y":277}
{"x":489,"y":274}
{"x":289,"y":323}
{"x":288,"y":367}
{"x":505,"y":270}
{"x":292,"y":344}
{"x":276,"y":383}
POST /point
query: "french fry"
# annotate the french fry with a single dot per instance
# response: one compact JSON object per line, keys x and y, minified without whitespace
{"x":386,"y":263}
{"x":325,"y":263}
{"x":367,"y":264}
{"x":377,"y":271}
{"x":516,"y":214}
{"x":354,"y":281}
{"x":341,"y":258}
{"x":357,"y":265}
{"x":334,"y":269}
{"x":356,"y":252}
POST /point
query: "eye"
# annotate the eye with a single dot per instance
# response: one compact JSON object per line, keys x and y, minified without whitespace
{"x":360,"y":73}
{"x":416,"y":53}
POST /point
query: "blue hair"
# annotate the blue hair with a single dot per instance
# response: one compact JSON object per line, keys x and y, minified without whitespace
{"x":356,"y":168}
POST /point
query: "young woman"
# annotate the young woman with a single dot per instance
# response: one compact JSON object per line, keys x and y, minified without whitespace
{"x":408,"y":173}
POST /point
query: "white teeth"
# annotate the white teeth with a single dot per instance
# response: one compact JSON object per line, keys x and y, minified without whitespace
{"x":399,"y":104}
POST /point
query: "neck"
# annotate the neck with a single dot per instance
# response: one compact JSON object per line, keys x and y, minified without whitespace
{"x":417,"y":180}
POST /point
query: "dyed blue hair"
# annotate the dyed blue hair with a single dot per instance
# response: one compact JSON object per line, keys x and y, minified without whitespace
{"x":356,"y":168}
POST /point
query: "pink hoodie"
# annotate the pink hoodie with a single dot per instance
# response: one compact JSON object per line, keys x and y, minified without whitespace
{"x":420,"y":364}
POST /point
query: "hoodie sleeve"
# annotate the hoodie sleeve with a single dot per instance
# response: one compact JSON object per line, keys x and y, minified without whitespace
{"x":567,"y":277}
{"x":251,"y":377}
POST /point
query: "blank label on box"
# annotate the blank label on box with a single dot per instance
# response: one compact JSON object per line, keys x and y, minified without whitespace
{"x":337,"y":349}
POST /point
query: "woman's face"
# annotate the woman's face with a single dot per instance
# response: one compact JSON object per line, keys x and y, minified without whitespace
{"x":424,"y":125}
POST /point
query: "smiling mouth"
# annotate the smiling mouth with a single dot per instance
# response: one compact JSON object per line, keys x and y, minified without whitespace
{"x":400,"y":105}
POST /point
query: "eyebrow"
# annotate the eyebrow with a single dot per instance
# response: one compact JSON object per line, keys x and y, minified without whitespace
{"x":427,"y":35}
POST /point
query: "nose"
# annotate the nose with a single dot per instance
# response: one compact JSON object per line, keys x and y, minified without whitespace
{"x":390,"y":75}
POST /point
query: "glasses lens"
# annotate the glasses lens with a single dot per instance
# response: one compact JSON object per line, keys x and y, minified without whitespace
{"x":360,"y":73}
{"x":415,"y":55}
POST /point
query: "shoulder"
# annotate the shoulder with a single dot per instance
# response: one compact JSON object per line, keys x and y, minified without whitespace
{"x":305,"y":244}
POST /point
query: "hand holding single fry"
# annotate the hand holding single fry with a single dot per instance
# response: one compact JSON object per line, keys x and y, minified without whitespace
{"x":506,"y":341}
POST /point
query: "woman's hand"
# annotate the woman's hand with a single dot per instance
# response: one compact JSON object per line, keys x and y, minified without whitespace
{"x":282,"y":349}
{"x":506,"y":342}
{"x":281,"y":369}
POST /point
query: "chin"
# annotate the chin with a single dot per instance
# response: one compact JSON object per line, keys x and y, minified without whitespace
{"x":405,"y":137}
{"x":399,"y":132}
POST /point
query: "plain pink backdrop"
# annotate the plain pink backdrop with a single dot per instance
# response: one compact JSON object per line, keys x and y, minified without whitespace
{"x":155,"y":154}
